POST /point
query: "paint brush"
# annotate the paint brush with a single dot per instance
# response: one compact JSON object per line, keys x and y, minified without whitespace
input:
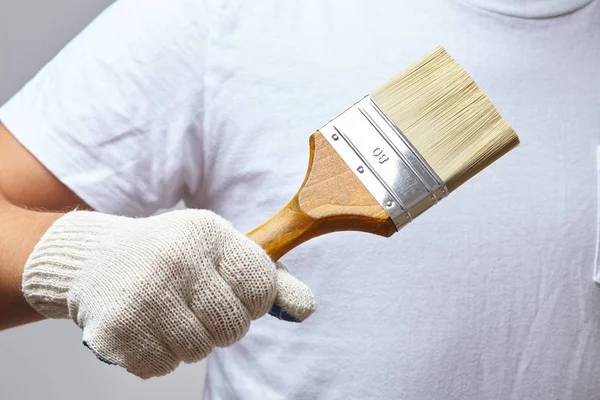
{"x":392,"y":155}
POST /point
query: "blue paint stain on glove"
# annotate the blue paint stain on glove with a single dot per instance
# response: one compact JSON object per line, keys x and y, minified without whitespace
{"x":98,"y":356}
{"x":279,"y":313}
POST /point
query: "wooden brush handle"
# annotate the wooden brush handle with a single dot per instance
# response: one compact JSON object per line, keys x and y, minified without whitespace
{"x":330,"y":199}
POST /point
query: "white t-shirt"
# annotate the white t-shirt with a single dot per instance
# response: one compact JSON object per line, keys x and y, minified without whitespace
{"x":488,"y":295}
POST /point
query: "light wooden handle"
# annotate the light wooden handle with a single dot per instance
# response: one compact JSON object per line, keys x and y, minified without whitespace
{"x":330,"y":199}
{"x":284,"y":231}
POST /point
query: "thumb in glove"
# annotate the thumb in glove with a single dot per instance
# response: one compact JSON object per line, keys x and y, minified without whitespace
{"x":294,"y":301}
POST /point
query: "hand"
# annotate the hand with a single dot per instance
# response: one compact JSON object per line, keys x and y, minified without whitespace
{"x":152,"y":292}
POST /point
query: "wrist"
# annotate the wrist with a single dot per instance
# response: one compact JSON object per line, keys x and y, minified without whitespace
{"x":22,"y":229}
{"x":58,"y":258}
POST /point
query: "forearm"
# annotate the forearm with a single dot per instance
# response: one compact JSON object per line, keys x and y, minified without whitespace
{"x":21,"y":230}
{"x":25,"y":185}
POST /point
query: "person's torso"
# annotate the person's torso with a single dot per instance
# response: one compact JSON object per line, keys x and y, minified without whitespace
{"x":488,"y":295}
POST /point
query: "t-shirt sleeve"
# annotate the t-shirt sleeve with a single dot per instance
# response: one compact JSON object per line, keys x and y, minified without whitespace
{"x":117,"y":115}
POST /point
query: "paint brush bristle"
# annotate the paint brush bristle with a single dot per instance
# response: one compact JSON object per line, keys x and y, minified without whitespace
{"x":447,"y":117}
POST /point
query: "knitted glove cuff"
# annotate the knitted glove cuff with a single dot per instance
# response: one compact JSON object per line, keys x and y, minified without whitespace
{"x":58,"y":258}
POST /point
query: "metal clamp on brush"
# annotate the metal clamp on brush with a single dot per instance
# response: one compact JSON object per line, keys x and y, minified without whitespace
{"x":384,"y":160}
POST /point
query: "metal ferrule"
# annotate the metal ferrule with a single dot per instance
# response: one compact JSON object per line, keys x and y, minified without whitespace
{"x":384,"y":161}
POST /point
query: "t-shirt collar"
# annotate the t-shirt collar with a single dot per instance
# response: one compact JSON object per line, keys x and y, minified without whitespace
{"x":529,"y":8}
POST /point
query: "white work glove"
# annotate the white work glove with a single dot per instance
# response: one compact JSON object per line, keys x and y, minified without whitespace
{"x":152,"y":292}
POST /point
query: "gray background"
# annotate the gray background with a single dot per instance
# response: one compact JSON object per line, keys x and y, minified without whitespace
{"x":47,"y":360}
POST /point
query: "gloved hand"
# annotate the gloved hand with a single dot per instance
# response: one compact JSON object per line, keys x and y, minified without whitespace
{"x":151,"y":292}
